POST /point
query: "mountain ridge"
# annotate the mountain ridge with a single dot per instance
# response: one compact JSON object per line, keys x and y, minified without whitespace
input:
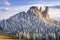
{"x":29,"y":20}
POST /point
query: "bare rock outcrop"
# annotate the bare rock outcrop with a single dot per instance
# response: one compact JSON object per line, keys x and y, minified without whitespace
{"x":45,"y":13}
{"x":36,"y":11}
{"x":40,"y":9}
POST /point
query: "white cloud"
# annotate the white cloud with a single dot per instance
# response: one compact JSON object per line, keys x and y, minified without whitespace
{"x":5,"y":2}
{"x":54,"y":12}
{"x":4,"y":9}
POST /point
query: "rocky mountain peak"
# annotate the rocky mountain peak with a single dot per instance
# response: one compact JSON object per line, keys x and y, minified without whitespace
{"x":34,"y":7}
{"x":40,"y":9}
{"x":35,"y":10}
{"x":45,"y":13}
{"x":39,"y":12}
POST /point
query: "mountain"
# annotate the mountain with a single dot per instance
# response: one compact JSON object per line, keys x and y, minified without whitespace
{"x":31,"y":21}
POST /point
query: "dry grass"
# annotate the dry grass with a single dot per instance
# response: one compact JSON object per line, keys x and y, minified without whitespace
{"x":4,"y":36}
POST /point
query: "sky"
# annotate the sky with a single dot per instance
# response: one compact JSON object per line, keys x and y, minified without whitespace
{"x":11,"y":7}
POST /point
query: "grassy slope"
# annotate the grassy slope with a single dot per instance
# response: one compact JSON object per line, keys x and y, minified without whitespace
{"x":7,"y":36}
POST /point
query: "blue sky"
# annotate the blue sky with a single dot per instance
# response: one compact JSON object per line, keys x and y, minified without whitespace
{"x":25,"y":2}
{"x":11,"y":7}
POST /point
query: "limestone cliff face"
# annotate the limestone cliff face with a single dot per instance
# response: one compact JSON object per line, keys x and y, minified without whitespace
{"x":45,"y":13}
{"x":42,"y":14}
{"x":36,"y":11}
{"x":39,"y":12}
{"x":40,"y":9}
